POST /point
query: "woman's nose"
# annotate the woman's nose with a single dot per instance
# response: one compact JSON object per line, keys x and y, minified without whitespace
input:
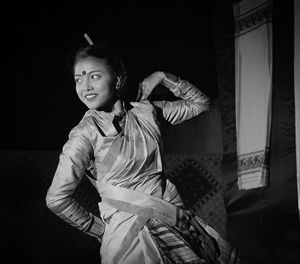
{"x":87,"y":86}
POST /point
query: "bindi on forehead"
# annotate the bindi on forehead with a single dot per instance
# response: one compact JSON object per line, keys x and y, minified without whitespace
{"x":83,"y":72}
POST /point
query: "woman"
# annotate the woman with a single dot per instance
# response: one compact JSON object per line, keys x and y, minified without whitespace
{"x":142,"y":215}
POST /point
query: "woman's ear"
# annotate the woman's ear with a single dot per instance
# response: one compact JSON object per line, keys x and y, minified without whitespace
{"x":118,"y":83}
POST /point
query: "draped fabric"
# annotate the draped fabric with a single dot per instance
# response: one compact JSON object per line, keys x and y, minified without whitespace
{"x":224,"y":49}
{"x":263,"y":222}
{"x":297,"y":89}
{"x":253,"y":84}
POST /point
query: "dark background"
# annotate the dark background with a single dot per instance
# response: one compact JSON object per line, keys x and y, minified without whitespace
{"x":39,"y":104}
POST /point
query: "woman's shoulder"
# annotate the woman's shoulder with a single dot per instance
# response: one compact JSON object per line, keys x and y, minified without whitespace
{"x":84,"y":126}
{"x":147,"y":111}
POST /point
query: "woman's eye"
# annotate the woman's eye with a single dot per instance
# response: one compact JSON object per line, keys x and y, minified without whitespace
{"x":78,"y":80}
{"x":95,"y":76}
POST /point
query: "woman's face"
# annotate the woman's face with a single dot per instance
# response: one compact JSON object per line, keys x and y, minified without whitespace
{"x":94,"y":83}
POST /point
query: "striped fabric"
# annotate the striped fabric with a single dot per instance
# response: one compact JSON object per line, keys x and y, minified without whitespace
{"x":175,"y":246}
{"x":189,"y":242}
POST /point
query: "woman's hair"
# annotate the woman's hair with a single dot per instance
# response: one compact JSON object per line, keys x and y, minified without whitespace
{"x":103,"y":51}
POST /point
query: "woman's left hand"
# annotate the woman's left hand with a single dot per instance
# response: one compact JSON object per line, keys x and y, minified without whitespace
{"x":147,"y":85}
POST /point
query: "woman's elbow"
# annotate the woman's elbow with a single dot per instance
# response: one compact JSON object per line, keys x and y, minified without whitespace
{"x":52,"y":202}
{"x":49,"y":200}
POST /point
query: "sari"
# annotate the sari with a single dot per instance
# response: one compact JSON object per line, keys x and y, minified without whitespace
{"x":142,"y":217}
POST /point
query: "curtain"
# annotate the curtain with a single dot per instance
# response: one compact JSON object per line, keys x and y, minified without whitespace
{"x":262,"y":222}
{"x":297,"y":88}
{"x":253,"y":90}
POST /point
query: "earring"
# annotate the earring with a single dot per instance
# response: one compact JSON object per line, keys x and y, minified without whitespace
{"x":118,"y":84}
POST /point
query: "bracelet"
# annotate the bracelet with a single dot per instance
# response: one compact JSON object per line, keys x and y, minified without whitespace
{"x":170,"y":80}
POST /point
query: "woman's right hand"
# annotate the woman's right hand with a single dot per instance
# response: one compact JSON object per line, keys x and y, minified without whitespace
{"x":148,"y":84}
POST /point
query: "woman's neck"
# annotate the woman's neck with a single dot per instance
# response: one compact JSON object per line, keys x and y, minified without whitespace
{"x":115,"y":107}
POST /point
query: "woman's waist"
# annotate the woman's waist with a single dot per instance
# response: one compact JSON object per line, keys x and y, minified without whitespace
{"x":153,"y":184}
{"x":119,"y":197}
{"x":149,"y":183}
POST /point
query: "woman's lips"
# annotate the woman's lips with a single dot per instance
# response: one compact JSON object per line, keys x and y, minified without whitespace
{"x":90,"y":96}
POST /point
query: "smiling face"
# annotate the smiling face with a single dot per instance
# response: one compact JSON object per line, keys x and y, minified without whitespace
{"x":94,"y":83}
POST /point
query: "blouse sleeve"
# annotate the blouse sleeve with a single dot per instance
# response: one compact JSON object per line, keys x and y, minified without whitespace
{"x":73,"y":160}
{"x":192,"y":101}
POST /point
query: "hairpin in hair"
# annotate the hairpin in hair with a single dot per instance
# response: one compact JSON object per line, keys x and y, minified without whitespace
{"x":88,"y":39}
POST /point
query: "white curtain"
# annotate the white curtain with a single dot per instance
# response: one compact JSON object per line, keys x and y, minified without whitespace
{"x":253,"y":81}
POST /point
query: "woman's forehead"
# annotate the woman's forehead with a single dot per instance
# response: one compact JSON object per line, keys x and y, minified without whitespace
{"x":83,"y":66}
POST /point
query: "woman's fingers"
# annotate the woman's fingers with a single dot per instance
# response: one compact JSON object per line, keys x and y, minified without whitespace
{"x":147,"y":85}
{"x":144,"y":90}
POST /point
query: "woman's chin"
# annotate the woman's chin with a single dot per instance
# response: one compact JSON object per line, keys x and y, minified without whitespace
{"x":93,"y":106}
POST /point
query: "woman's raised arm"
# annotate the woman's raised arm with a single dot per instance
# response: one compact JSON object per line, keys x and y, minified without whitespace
{"x":192,"y":101}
